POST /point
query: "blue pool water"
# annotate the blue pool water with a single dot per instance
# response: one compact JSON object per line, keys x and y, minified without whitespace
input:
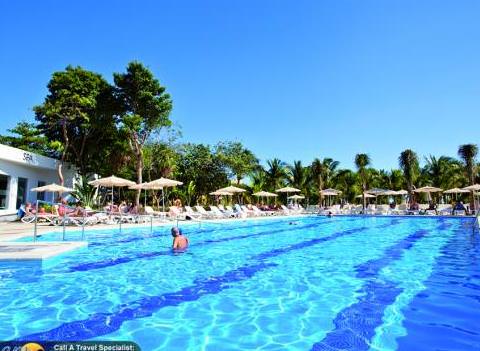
{"x":342,"y":283}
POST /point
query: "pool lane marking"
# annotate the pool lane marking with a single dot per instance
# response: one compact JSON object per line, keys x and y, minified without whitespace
{"x":355,"y":325}
{"x":99,"y":324}
{"x":147,"y":255}
{"x":202,"y":231}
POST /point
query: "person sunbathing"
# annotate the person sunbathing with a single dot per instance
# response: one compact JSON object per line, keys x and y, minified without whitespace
{"x":174,"y":212}
{"x":414,"y":206}
{"x":177,"y":203}
{"x":79,"y":211}
{"x":133,"y":209}
{"x":29,"y":209}
{"x":63,"y":209}
{"x":180,"y":241}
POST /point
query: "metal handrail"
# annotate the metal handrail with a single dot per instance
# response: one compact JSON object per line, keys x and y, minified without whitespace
{"x":65,"y":217}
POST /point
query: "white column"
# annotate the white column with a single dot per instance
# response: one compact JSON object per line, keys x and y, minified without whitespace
{"x":12,"y":194}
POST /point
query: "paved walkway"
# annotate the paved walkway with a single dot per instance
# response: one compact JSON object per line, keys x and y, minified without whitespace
{"x":15,"y":230}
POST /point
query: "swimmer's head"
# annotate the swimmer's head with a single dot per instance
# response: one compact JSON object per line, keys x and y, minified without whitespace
{"x":176,"y":231}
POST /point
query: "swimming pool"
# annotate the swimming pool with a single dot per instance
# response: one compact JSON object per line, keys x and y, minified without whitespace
{"x":348,"y":283}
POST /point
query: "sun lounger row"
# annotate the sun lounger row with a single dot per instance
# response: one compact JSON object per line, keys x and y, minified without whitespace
{"x":402,"y":209}
{"x":198,"y":212}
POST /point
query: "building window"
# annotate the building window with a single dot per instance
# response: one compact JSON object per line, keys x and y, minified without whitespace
{"x":3,"y":191}
{"x":21,"y":191}
{"x":41,"y":196}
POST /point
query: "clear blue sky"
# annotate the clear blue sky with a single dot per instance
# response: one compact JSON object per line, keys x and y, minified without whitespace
{"x":295,"y":80}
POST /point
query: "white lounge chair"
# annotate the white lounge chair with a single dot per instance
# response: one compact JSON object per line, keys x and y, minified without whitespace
{"x":382,"y":210}
{"x":205,"y":213}
{"x":261,"y":212}
{"x":192,"y":214}
{"x":444,"y":209}
{"x":218,"y":213}
{"x":285,"y":210}
{"x":150,"y":211}
{"x":245,"y":209}
{"x":41,"y":217}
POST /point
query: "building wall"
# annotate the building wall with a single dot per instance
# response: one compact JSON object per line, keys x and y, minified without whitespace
{"x":16,"y":163}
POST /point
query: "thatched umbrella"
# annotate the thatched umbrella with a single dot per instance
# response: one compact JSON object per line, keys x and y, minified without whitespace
{"x":163,"y":183}
{"x":52,"y":188}
{"x":288,"y":189}
{"x":111,"y":182}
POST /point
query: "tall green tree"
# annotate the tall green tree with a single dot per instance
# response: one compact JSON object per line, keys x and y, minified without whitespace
{"x":144,"y":107}
{"x":468,"y":154}
{"x":346,"y":181}
{"x":298,"y":175}
{"x":362,"y":161}
{"x":443,"y":172}
{"x":74,"y":113}
{"x":323,"y":171}
{"x":258,"y":180}
{"x":159,"y":160}
{"x":199,"y":164}
{"x":408,"y":162}
{"x":396,"y":179}
{"x":28,"y":137}
{"x":239,"y":160}
{"x":276,"y":174}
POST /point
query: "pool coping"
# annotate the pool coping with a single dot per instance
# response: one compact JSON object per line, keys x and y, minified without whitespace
{"x":22,"y":251}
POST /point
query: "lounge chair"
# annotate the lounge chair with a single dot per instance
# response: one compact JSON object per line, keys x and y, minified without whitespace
{"x":382,"y":210}
{"x":205,"y":213}
{"x":229,"y":212}
{"x":400,"y":209}
{"x":245,"y":209}
{"x":285,"y":210}
{"x":238,"y":211}
{"x":371,"y":208}
{"x":444,"y":210}
{"x":53,"y":219}
{"x":151,"y":212}
{"x":175,"y":213}
{"x":259,"y":212}
{"x":218,"y":213}
{"x":79,"y":221}
{"x":192,"y":214}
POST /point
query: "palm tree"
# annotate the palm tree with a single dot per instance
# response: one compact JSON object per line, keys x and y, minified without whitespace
{"x":361,"y":162}
{"x":468,"y":153}
{"x":443,"y":172}
{"x":396,"y":179}
{"x":258,"y":180}
{"x":275,"y":174}
{"x":298,"y":175}
{"x":323,"y":171}
{"x":346,"y":181}
{"x":408,"y":161}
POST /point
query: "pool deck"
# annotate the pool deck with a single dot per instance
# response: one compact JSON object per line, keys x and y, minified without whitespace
{"x":13,"y":251}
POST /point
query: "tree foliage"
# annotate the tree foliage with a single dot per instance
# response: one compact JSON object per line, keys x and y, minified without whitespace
{"x":75,"y":113}
{"x":239,"y":160}
{"x":408,"y":161}
{"x":28,"y":137}
{"x":143,"y":107}
{"x":197,"y":163}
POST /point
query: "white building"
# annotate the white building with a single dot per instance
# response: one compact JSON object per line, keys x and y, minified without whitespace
{"x":21,"y":171}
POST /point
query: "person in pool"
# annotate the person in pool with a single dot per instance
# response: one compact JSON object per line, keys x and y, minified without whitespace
{"x":180,"y":241}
